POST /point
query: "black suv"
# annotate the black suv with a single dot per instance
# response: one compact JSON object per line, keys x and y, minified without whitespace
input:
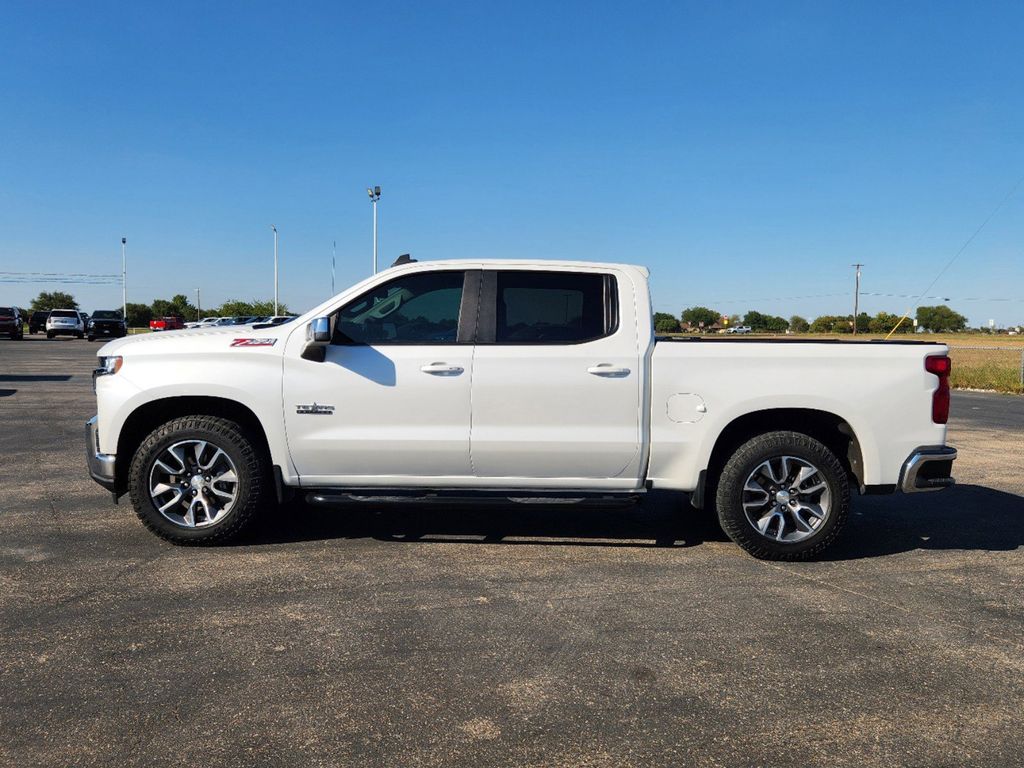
{"x":37,"y":323}
{"x":106,"y":323}
{"x":12,"y":322}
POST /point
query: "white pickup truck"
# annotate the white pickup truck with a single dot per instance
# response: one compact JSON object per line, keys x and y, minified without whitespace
{"x":513,"y":379}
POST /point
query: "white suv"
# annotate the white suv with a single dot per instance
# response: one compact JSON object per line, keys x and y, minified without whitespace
{"x":65,"y":322}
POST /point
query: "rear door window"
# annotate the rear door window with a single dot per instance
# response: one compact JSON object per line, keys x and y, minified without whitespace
{"x":534,"y":307}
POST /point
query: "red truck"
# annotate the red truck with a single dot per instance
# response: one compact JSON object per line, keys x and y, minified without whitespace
{"x":171,"y":323}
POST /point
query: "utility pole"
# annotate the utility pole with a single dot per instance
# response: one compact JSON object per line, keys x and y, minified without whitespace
{"x":199,"y":307}
{"x":374,"y":194}
{"x":273,"y":227}
{"x":124,"y":279}
{"x":856,"y":296}
{"x":334,"y":255}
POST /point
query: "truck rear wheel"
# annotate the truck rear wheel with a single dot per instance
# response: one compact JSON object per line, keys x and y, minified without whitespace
{"x":783,"y":496}
{"x":198,"y":480}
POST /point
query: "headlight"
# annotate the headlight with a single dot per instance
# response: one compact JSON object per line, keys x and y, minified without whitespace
{"x":109,"y":365}
{"x":92,"y":324}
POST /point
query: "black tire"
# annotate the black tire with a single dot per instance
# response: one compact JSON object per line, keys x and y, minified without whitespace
{"x":92,"y":338}
{"x":80,"y":336}
{"x":49,"y":335}
{"x":252,"y":469}
{"x":730,"y":495}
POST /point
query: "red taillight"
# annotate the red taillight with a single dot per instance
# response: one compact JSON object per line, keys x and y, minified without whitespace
{"x":941,"y":366}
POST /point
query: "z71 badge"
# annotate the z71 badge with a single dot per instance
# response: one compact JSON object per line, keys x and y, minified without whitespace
{"x":253,"y":342}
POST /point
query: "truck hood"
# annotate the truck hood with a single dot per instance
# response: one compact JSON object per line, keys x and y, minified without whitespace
{"x":198,"y":340}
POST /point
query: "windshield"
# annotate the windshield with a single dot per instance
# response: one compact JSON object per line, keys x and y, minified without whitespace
{"x":64,"y":313}
{"x":106,"y":314}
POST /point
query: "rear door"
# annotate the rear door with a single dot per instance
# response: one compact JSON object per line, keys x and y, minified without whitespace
{"x":557,"y":379}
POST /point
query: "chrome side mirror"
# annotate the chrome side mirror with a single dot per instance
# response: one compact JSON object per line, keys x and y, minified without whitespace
{"x":319,"y":330}
{"x":318,"y":336}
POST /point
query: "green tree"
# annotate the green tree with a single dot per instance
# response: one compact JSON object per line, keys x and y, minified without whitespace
{"x":139,"y":315}
{"x":798,"y":324}
{"x":178,"y":305}
{"x":665,"y":323}
{"x":940,"y":318}
{"x":48,"y":300}
{"x":760,"y":322}
{"x":238,"y":308}
{"x":697,"y":315}
{"x":832,"y":324}
{"x":884,"y":322}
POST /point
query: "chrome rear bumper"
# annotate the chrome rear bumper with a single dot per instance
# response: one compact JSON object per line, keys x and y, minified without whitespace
{"x":929,"y":468}
{"x":101,"y":465}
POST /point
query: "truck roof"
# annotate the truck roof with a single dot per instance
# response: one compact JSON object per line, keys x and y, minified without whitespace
{"x":516,"y":263}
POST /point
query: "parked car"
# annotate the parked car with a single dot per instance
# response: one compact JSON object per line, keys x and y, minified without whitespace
{"x":65,"y":322}
{"x":170,"y":323}
{"x":12,"y":322}
{"x":206,"y":322}
{"x":106,"y":323}
{"x":739,"y":329}
{"x":275,"y":320}
{"x":37,"y":322}
{"x":517,"y":379}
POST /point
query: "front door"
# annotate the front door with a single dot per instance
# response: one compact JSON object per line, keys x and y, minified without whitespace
{"x":390,"y":403}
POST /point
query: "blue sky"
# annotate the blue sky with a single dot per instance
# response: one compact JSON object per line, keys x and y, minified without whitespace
{"x":747,"y":153}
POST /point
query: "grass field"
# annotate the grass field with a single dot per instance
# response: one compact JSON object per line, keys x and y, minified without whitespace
{"x":987,"y":367}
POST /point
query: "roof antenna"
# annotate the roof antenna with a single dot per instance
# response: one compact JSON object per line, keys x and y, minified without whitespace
{"x":405,"y":258}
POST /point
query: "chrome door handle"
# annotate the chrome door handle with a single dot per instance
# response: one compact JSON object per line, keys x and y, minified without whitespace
{"x":605,"y":369}
{"x":441,"y":369}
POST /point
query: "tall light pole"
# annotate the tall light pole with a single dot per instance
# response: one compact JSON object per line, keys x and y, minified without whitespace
{"x":856,"y":296}
{"x":334,"y":256}
{"x":374,"y":194}
{"x":124,"y":278}
{"x":199,"y":307}
{"x":273,"y":227}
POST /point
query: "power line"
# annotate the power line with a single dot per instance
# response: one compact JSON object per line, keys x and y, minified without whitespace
{"x":58,"y":274}
{"x":941,"y":298}
{"x":957,"y":254}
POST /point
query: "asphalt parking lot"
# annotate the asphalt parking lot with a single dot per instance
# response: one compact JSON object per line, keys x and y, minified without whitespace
{"x":410,"y":636}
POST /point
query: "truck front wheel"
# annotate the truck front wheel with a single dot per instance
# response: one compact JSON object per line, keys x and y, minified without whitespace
{"x":783,"y":496}
{"x":198,"y":480}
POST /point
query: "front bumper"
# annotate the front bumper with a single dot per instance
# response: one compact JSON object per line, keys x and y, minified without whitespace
{"x":65,"y":330}
{"x":928,"y":468}
{"x":101,"y":465}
